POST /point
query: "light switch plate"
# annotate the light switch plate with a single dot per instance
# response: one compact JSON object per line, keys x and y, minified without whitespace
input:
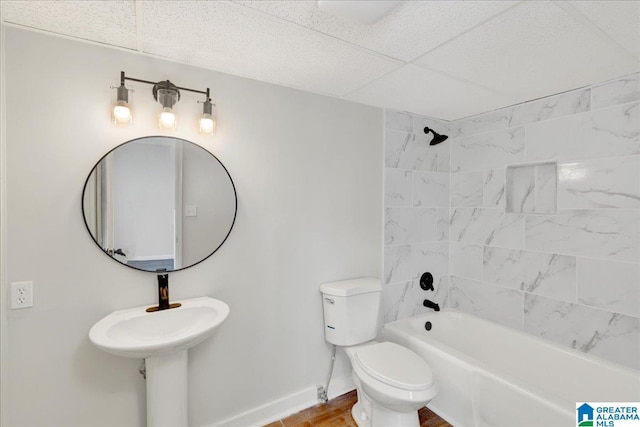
{"x":191,"y":210}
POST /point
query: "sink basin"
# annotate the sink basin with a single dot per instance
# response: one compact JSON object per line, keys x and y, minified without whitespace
{"x":162,"y":339}
{"x":136,"y":333}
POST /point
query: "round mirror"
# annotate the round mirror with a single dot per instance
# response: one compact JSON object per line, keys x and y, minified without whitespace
{"x":159,"y":204}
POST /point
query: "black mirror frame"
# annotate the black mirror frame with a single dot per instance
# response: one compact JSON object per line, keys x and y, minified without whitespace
{"x":233,"y":186}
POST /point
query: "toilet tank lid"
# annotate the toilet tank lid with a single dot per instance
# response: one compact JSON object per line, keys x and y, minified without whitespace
{"x":345,"y":288}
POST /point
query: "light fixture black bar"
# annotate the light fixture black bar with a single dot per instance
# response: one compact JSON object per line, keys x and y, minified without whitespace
{"x":123,"y":78}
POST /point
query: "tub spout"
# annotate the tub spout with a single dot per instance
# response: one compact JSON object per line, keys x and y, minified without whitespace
{"x":431,"y":304}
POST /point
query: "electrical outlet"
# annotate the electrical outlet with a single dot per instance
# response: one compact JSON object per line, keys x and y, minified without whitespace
{"x":21,"y":295}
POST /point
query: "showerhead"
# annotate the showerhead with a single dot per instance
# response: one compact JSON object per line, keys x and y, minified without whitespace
{"x":437,"y":138}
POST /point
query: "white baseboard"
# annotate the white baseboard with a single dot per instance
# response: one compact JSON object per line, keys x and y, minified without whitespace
{"x":274,"y":410}
{"x":151,"y":257}
{"x":287,"y":405}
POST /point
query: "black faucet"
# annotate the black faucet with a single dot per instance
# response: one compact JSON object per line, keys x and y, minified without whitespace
{"x":163,"y":291}
{"x":431,"y":304}
{"x":163,"y":295}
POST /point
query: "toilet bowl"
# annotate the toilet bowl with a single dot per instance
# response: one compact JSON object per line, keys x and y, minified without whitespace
{"x":392,"y":382}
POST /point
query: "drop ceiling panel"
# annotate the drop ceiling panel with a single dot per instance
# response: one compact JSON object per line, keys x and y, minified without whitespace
{"x":231,"y":38}
{"x":428,"y":93}
{"x":473,"y":56}
{"x":619,"y":19}
{"x":532,"y":50}
{"x":110,"y":22}
{"x":408,"y":31}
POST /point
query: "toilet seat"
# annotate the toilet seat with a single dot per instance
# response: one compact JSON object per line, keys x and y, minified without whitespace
{"x":408,"y":371}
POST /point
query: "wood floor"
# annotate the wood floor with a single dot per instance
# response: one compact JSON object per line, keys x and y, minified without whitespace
{"x":337,"y":413}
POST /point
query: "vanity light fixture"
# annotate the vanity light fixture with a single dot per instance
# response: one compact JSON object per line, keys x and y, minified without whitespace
{"x":207,"y":122}
{"x":121,"y":112}
{"x":167,"y":94}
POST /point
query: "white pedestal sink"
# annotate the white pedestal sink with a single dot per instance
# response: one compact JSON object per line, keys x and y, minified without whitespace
{"x":162,"y":338}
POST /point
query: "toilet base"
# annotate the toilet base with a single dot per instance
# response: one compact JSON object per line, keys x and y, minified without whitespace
{"x":367,"y":413}
{"x":359,"y":416}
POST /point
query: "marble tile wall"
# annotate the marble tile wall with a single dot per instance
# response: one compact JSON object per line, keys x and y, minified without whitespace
{"x":566,"y":266}
{"x":417,"y":200}
{"x":550,"y":242}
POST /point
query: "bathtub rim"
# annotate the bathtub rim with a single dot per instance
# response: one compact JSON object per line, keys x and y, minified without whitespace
{"x":423,"y":317}
{"x":406,"y":336}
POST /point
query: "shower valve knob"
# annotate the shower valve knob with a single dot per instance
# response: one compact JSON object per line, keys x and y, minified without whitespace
{"x":426,"y":282}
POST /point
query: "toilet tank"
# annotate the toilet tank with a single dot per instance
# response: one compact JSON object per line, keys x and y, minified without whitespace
{"x":351,"y":309}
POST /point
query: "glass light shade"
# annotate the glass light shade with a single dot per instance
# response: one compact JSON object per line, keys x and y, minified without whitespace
{"x":122,"y":113}
{"x":167,"y":118}
{"x":207,"y":124}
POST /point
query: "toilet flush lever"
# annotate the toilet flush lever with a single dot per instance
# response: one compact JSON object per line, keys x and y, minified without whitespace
{"x":330,"y":300}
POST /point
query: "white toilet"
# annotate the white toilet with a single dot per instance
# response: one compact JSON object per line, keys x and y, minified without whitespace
{"x":392,"y":381}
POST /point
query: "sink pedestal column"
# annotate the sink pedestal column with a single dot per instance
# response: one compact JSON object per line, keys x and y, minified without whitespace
{"x":167,"y":390}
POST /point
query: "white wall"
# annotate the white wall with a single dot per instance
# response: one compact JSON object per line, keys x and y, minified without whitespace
{"x":3,"y":238}
{"x":308,"y":174}
{"x":213,"y":201}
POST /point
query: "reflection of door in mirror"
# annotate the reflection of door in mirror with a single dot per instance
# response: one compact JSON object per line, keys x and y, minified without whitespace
{"x":105,"y":205}
{"x":177,"y":250}
{"x":98,"y":203}
{"x":145,"y":179}
{"x":90,"y":205}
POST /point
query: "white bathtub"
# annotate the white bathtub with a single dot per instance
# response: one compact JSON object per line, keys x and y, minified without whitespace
{"x":491,"y":375}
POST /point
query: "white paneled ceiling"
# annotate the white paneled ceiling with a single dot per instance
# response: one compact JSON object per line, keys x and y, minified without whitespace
{"x":243,"y":41}
{"x":444,"y":59}
{"x":407,"y":32}
{"x":544,"y":47}
{"x":413,"y":88}
{"x":617,"y":19}
{"x":109,"y":22}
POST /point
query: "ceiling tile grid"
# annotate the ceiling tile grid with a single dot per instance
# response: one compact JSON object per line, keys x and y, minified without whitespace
{"x":533,"y":50}
{"x":238,"y":40}
{"x":445,"y":59}
{"x":428,"y":93}
{"x":408,"y":31}
{"x":109,"y":22}
{"x":619,"y":19}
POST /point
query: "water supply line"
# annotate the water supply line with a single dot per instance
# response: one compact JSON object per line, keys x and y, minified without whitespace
{"x":326,"y":387}
{"x":142,"y":370}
